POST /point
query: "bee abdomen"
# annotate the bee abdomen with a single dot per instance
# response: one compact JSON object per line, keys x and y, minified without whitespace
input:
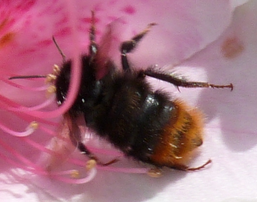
{"x":136,"y":118}
{"x":180,"y":137}
{"x":147,"y":125}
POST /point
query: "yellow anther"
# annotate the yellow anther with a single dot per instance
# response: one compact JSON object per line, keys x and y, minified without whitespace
{"x":90,"y":164}
{"x":56,"y":69}
{"x":33,"y":125}
{"x":75,"y":174}
{"x":51,"y":89}
{"x":154,"y":172}
{"x":50,"y":78}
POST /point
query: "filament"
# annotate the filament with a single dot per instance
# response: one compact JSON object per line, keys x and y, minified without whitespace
{"x":28,"y":88}
{"x":29,"y":130}
{"x":24,"y":167}
{"x":21,"y":158}
{"x":9,"y":104}
{"x":37,"y":107}
{"x":110,"y":168}
{"x":74,"y":176}
{"x":75,"y":70}
{"x":48,"y":131}
{"x":35,"y":115}
{"x":39,"y":147}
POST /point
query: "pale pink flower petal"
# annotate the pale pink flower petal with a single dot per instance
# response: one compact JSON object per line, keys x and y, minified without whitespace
{"x":184,"y":28}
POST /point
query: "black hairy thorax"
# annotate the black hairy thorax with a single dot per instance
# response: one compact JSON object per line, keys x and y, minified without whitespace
{"x":120,"y":107}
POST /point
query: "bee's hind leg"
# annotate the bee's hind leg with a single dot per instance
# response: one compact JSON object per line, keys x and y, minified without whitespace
{"x":128,"y":46}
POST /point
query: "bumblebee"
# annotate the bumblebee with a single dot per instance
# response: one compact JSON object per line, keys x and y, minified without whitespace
{"x":122,"y":107}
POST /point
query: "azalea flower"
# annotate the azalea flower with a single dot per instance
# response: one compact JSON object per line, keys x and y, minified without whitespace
{"x":210,"y":41}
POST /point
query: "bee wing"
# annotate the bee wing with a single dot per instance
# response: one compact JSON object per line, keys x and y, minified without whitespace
{"x":64,"y":143}
{"x":108,"y":49}
{"x":76,"y":126}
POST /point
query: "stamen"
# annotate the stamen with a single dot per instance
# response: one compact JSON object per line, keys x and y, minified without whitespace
{"x":48,"y":131}
{"x":154,"y":172}
{"x":28,"y":88}
{"x":31,"y":167}
{"x":75,"y":72}
{"x":51,"y":89}
{"x":24,"y":167}
{"x":50,"y":78}
{"x":90,"y":164}
{"x":16,"y":107}
{"x":74,"y":174}
{"x":34,"y":113}
{"x":56,"y":70}
{"x":6,"y":103}
{"x":33,"y":125}
{"x":37,"y":107}
{"x":110,"y":168}
{"x":29,"y":130}
{"x":39,"y":147}
{"x":57,"y":175}
{"x":21,"y":158}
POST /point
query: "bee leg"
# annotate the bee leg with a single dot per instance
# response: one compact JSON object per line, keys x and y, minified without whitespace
{"x":93,"y":45}
{"x":128,"y":46}
{"x":186,"y":168}
{"x":59,"y":49}
{"x":75,"y":136}
{"x":84,"y":150}
{"x":180,"y":82}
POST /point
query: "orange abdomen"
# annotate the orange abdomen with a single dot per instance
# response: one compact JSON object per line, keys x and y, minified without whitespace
{"x":181,"y":136}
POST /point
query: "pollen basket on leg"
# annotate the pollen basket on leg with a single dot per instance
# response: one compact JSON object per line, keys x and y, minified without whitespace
{"x":180,"y":137}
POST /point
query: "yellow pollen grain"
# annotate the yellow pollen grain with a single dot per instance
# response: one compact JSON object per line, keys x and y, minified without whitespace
{"x":50,"y":78}
{"x":90,"y":164}
{"x":75,"y":174}
{"x":33,"y":125}
{"x":56,"y":69}
{"x":154,"y":172}
{"x":51,"y":89}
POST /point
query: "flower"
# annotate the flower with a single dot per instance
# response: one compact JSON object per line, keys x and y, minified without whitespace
{"x":192,"y":34}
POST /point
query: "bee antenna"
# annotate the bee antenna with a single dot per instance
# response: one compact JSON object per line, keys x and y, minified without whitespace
{"x":59,"y":49}
{"x":27,"y":77}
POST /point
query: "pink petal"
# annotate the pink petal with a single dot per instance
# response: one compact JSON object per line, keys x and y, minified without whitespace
{"x":183,"y":28}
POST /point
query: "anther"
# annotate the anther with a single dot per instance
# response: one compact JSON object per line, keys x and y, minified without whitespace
{"x":90,"y":164}
{"x":50,"y":78}
{"x":154,"y":172}
{"x":56,"y":70}
{"x":75,"y":174}
{"x":51,"y":89}
{"x":33,"y":125}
